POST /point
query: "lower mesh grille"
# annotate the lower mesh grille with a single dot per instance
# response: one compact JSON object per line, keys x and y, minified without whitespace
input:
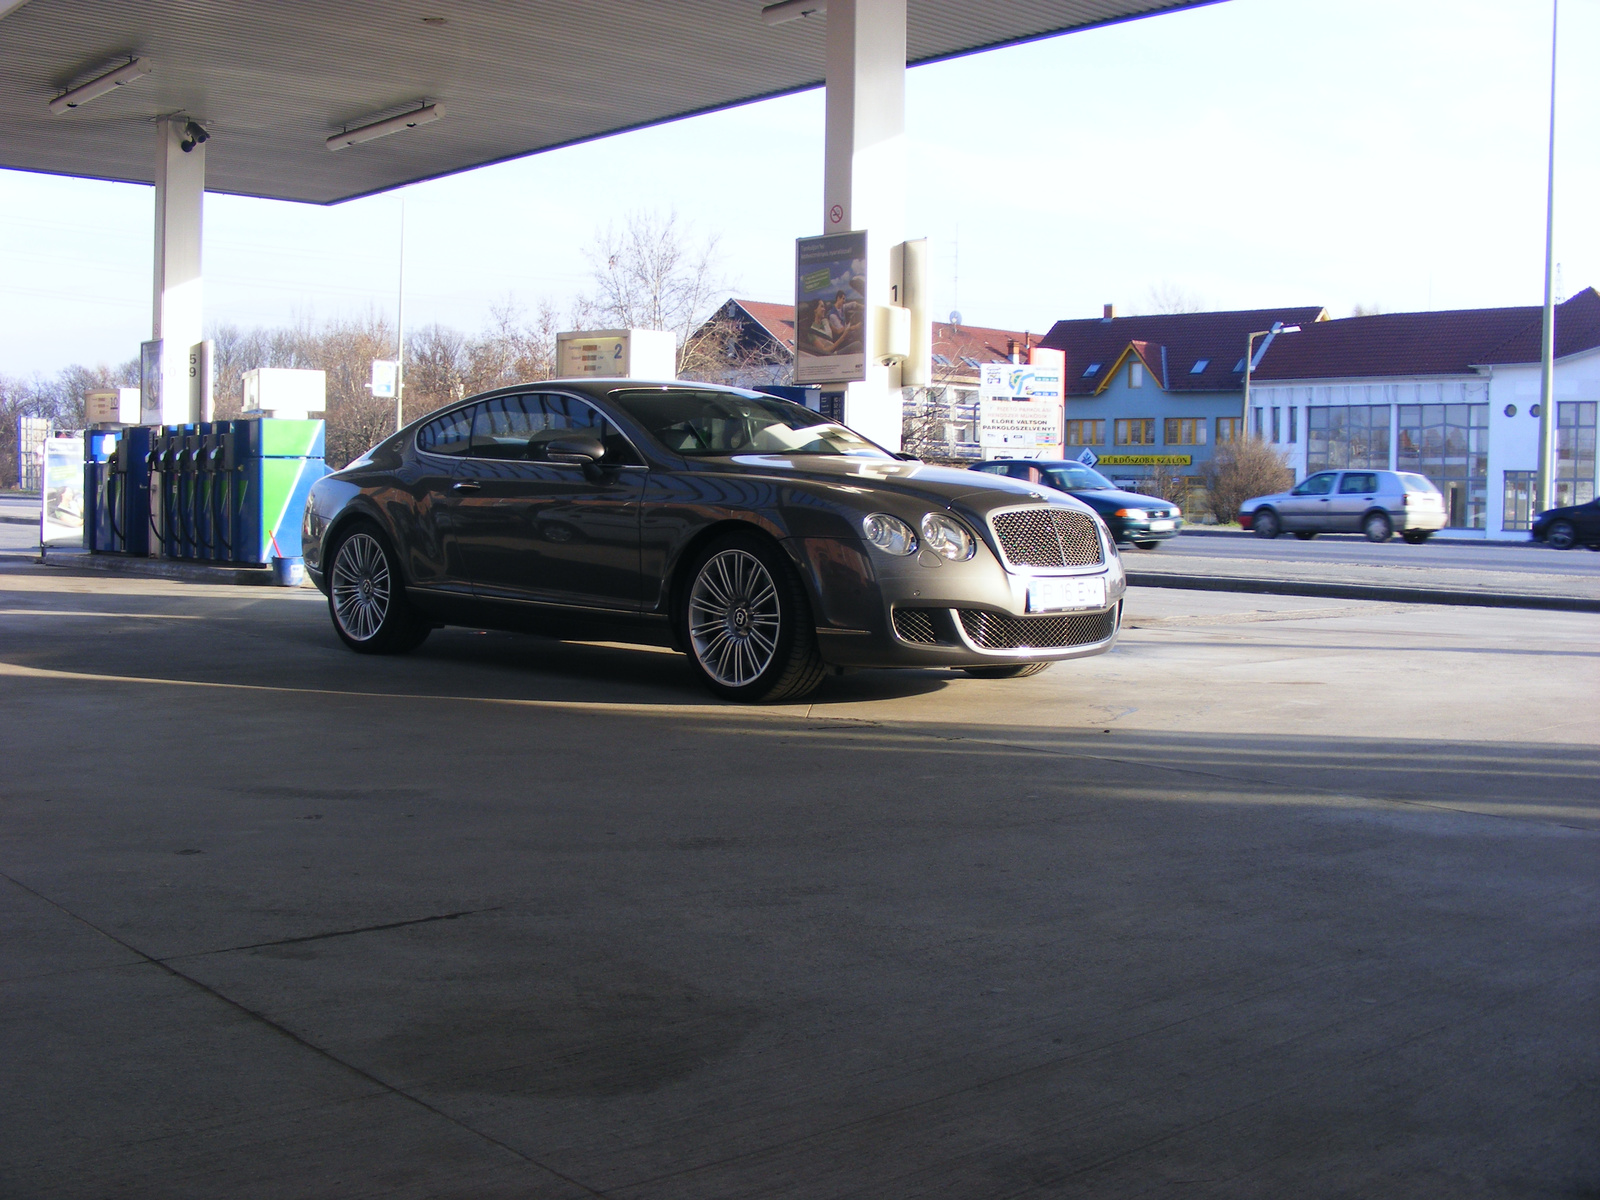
{"x":995,"y":631}
{"x":915,"y":625}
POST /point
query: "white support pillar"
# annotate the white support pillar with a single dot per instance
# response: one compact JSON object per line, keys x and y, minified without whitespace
{"x":864,"y":184}
{"x":177,"y":309}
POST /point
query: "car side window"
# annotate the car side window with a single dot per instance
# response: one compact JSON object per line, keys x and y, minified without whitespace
{"x":561,"y":416}
{"x":1358,"y":483}
{"x":449,"y":434}
{"x":504,"y":427}
{"x":1317,"y":485}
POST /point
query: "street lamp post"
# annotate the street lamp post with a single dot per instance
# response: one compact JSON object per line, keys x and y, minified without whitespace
{"x":1250,"y":365}
{"x":1547,"y":340}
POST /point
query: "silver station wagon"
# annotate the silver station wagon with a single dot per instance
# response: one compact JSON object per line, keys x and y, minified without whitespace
{"x":1376,"y":503}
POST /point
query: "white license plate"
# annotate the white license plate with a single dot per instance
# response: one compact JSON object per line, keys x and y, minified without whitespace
{"x":1159,"y":525}
{"x":1062,"y":595}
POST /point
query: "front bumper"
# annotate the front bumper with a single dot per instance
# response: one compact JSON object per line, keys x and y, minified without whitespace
{"x":1125,"y":530}
{"x":924,"y":611}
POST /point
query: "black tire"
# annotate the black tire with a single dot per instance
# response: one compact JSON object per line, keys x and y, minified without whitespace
{"x":1305,"y":535}
{"x":747,"y":624}
{"x":366,"y":595}
{"x":1377,"y":527}
{"x":1415,"y":537}
{"x":1563,"y":535}
{"x":1015,"y":671}
{"x":1266,"y":524}
{"x":1148,"y":545}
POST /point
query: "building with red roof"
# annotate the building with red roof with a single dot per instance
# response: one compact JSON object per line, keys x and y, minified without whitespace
{"x":1453,"y":395}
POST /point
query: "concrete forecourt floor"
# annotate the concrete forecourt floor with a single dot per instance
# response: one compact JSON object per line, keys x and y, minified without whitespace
{"x":1283,"y":898}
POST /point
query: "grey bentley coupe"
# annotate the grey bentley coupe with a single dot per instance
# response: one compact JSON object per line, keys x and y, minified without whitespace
{"x":769,"y":544}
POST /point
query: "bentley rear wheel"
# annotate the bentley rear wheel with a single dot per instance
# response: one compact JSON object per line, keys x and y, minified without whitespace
{"x":366,"y":596}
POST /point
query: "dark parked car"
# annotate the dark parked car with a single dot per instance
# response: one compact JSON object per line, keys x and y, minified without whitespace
{"x":1564,"y":528}
{"x":768,"y":544}
{"x":1143,"y":520}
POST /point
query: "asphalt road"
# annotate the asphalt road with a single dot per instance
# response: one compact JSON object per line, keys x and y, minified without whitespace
{"x":1283,"y":897}
{"x":1352,"y":548}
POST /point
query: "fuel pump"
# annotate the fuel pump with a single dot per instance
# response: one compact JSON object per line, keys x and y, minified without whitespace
{"x":189,"y":497}
{"x":130,"y":489}
{"x":100,"y":522}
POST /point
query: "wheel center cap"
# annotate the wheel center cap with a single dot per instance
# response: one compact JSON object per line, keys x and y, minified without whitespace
{"x":741,"y":618}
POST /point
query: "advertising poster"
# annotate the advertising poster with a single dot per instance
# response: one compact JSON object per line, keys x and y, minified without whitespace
{"x":150,"y":412}
{"x":1019,"y":409}
{"x":61,"y":493}
{"x":830,"y":308}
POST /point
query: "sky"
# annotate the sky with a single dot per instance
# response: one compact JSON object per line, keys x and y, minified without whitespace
{"x":1387,"y":153}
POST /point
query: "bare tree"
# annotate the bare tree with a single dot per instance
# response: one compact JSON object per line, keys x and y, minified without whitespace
{"x":651,"y":274}
{"x":1367,"y":310}
{"x":1169,"y":297}
{"x":721,"y":350}
{"x":515,"y":348}
{"x":1242,"y":469}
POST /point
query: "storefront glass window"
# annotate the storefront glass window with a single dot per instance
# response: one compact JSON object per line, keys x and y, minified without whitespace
{"x":1349,"y":435}
{"x":1518,"y":510}
{"x":1449,"y":443}
{"x":1575,"y":421}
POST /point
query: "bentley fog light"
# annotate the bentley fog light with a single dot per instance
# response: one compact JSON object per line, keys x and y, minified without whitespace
{"x":948,"y":537}
{"x":889,"y":534}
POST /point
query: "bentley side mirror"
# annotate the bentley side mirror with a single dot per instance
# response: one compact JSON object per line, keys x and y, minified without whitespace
{"x":580,"y":449}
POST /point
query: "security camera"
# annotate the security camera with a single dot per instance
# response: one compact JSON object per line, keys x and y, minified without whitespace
{"x":194,"y":134}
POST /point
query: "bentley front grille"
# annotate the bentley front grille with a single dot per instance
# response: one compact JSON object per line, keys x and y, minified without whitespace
{"x":1047,"y":537}
{"x":996,"y":631}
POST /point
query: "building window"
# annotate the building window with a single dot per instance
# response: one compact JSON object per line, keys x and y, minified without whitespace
{"x":1086,"y":433}
{"x":1136,"y":431}
{"x":1091,"y":370}
{"x":1200,"y":365}
{"x":1294,"y":421}
{"x":1449,"y":443}
{"x":1135,"y":375}
{"x":1276,"y":431}
{"x":1228,"y":429}
{"x":940,"y":360}
{"x":1348,"y":436}
{"x":970,"y":361}
{"x":1517,"y":510}
{"x":1575,"y":425}
{"x":1186,"y":431}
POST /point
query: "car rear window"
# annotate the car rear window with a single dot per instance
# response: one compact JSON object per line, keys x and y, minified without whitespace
{"x":1418,"y":483}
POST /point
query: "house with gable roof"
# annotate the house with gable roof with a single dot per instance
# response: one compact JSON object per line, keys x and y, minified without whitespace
{"x":1453,"y":395}
{"x":1160,"y":391}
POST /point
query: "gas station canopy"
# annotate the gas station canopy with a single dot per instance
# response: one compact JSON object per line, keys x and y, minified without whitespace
{"x":273,"y":82}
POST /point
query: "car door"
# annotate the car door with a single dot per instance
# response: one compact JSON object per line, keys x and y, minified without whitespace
{"x":550,"y":532}
{"x":429,"y":528}
{"x":1356,"y":493}
{"x":1306,"y":507}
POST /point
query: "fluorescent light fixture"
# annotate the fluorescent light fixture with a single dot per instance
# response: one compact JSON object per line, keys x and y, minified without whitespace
{"x":7,"y":7}
{"x":101,"y":84}
{"x":425,"y":115}
{"x":792,"y":10}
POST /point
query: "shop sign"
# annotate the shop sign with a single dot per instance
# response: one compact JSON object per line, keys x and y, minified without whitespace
{"x":830,"y":303}
{"x":1145,"y":460}
{"x":1019,"y":406}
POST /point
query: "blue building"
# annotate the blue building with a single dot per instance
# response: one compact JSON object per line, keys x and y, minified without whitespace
{"x":1160,"y":392}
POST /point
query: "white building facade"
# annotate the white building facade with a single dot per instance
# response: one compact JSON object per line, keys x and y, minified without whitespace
{"x":1472,"y":428}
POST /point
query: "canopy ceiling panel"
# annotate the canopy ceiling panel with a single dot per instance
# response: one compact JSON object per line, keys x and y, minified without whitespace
{"x":273,"y":79}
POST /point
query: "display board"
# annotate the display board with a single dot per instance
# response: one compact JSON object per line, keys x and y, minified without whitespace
{"x":1019,"y":409}
{"x":830,"y":308}
{"x":61,"y":492}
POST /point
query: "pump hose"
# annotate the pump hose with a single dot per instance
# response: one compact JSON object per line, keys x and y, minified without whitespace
{"x":111,"y":509}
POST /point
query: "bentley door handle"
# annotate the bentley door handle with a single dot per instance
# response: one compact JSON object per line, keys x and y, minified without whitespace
{"x":466,"y":485}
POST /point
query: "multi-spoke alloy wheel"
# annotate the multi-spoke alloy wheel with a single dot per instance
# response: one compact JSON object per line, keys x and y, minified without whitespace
{"x":367,"y":598}
{"x":734,"y":618}
{"x":360,"y":587}
{"x":745,"y":620}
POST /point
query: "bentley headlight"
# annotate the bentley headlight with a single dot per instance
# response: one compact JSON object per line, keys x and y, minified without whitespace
{"x":948,"y":537}
{"x":889,"y":534}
